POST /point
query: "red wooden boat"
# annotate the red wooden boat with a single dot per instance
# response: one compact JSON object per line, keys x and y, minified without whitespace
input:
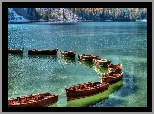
{"x":115,"y":68}
{"x":87,"y":57}
{"x":112,"y":77}
{"x":43,"y":52}
{"x":86,"y":89}
{"x":101,"y":62}
{"x":68,"y":53}
{"x":35,"y":100}
{"x":15,"y":51}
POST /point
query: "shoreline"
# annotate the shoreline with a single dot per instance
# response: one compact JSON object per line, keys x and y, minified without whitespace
{"x":60,"y":22}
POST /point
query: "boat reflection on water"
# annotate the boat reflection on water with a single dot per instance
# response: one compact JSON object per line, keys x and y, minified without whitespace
{"x":66,"y":60}
{"x":86,"y":63}
{"x":44,"y":56}
{"x":90,"y":64}
{"x":100,"y":69}
{"x":15,"y":55}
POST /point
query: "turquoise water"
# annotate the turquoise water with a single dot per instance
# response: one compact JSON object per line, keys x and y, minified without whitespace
{"x":121,"y":42}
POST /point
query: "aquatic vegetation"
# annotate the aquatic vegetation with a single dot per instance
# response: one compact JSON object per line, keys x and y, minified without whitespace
{"x":88,"y":101}
{"x":53,"y":105}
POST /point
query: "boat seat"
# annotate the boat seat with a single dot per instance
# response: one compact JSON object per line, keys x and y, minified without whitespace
{"x":115,"y":75}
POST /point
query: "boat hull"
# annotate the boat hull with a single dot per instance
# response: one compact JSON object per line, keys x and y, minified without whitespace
{"x":115,"y":68}
{"x":39,"y":103}
{"x":102,"y":63}
{"x":113,"y":79}
{"x":15,"y":51}
{"x":67,"y":54}
{"x":42,"y":52}
{"x":119,"y":66}
{"x":87,"y":57}
{"x":76,"y":94}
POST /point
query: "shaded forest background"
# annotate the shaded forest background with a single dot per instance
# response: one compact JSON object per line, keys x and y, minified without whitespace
{"x":93,"y":14}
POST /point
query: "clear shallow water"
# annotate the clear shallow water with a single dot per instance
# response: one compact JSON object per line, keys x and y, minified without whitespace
{"x":124,"y":42}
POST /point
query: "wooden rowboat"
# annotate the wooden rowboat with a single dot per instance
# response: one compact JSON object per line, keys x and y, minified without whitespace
{"x":101,"y":62}
{"x":43,"y":52}
{"x":68,"y":53}
{"x":115,"y":68}
{"x":86,"y":89}
{"x":15,"y":51}
{"x":35,"y":100}
{"x":112,"y":77}
{"x":87,"y":57}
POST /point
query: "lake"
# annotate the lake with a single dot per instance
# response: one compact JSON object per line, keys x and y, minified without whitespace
{"x":121,"y":42}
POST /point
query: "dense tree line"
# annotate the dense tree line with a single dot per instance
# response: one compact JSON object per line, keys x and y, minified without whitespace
{"x":33,"y":14}
{"x":115,"y":14}
{"x":94,"y":14}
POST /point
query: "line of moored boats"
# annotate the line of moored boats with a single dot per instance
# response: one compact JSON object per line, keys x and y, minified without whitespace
{"x":86,"y":57}
{"x":75,"y":91}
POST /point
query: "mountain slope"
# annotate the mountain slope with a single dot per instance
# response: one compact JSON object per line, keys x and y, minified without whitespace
{"x":74,"y":14}
{"x":27,"y":14}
